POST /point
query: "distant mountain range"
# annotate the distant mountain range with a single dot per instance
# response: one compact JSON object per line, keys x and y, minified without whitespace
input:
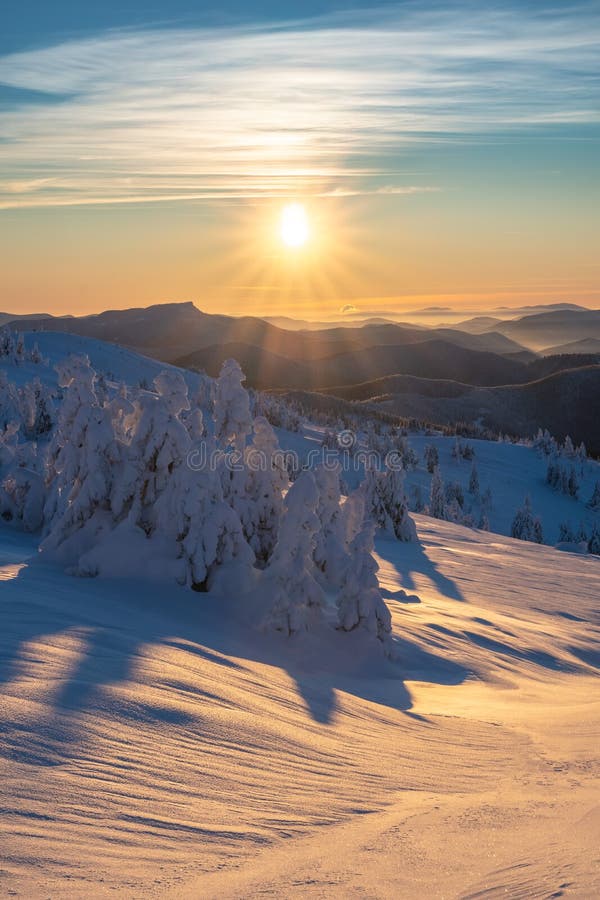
{"x":563,"y":402}
{"x":552,"y":329}
{"x":484,"y":353}
{"x":585,"y":345}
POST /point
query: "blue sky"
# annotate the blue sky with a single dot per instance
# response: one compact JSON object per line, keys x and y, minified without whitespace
{"x":463,"y":125}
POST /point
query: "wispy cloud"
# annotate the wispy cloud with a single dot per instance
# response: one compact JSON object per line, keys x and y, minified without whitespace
{"x":266,"y":112}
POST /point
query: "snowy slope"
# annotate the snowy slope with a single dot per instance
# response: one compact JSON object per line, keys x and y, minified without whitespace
{"x":147,"y":747}
{"x":510,"y":471}
{"x":116,"y":363}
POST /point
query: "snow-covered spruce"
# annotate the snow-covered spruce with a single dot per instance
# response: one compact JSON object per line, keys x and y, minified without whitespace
{"x":432,"y":458}
{"x":233,"y":421}
{"x":594,"y":501}
{"x":298,"y":599}
{"x":360,"y":604}
{"x":526,"y":526}
{"x":387,"y":503}
{"x":22,"y":498}
{"x":123,"y":499}
{"x":261,"y":503}
{"x":437,"y":503}
{"x":474,"y":481}
{"x":76,"y":378}
{"x":330,"y":555}
{"x":85,"y":459}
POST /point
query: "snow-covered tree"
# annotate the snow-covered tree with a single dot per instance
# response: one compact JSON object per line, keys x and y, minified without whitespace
{"x":437,"y":503}
{"x":594,"y":501}
{"x":20,"y":349}
{"x":562,"y":478}
{"x":83,"y":482}
{"x":486,"y":500}
{"x":233,"y":422}
{"x":454,"y":494}
{"x":360,"y":604}
{"x":418,"y":502}
{"x":432,"y":458}
{"x":407,"y":455}
{"x":330,"y":553}
{"x":484,"y":522}
{"x":208,"y":530}
{"x":76,"y":378}
{"x":387,"y":503}
{"x":297,"y":598}
{"x":22,"y":497}
{"x":462,"y":450}
{"x":261,"y":502}
{"x":10,"y":407}
{"x":594,"y":540}
{"x":159,"y":443}
{"x":35,"y":356}
{"x":474,"y":481}
{"x":526,"y":526}
{"x":544,"y":443}
{"x":122,"y":412}
{"x":8,"y":346}
{"x":37,"y":410}
{"x":565,"y":533}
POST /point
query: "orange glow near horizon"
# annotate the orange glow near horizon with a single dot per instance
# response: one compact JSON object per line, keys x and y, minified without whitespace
{"x":348,"y":255}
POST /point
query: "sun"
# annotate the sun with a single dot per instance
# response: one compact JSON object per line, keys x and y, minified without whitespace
{"x":293,"y":226}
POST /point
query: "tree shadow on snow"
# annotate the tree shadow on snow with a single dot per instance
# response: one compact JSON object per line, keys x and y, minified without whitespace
{"x":408,"y":558}
{"x":110,"y":629}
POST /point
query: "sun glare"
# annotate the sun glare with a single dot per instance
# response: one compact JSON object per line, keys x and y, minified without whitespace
{"x":294,"y":225}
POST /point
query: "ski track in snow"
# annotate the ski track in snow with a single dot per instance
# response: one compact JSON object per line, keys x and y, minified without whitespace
{"x":150,"y":747}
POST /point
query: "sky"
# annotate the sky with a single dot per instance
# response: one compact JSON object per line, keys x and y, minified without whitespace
{"x":444,"y":155}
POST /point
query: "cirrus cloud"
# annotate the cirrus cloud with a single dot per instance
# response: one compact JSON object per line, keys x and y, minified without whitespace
{"x":246,"y":113}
